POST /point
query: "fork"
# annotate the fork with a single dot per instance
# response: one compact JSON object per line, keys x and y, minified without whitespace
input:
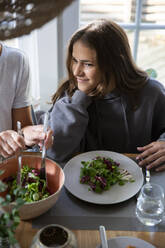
{"x":147,"y":173}
{"x":42,"y":172}
{"x":147,"y":176}
{"x":103,"y":237}
{"x":19,"y":156}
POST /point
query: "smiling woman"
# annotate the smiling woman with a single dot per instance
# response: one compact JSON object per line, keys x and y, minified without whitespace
{"x":105,"y":98}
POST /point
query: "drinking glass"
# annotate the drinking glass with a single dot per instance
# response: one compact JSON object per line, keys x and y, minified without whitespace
{"x":150,"y":204}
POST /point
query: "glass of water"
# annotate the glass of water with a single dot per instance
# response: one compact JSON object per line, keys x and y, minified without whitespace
{"x":150,"y":205}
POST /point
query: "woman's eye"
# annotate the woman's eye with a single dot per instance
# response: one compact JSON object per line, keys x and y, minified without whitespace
{"x":74,"y":60}
{"x":88,"y":64}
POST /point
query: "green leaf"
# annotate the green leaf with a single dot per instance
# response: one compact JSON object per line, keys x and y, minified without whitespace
{"x":19,"y":201}
{"x":1,"y":200}
{"x":3,"y":186}
{"x":1,"y":172}
{"x":152,"y":72}
{"x":8,"y":198}
{"x":11,"y":236}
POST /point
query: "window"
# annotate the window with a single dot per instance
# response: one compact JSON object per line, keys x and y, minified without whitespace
{"x":46,"y":49}
{"x":41,"y":48}
{"x":144,"y":22}
{"x":28,"y":45}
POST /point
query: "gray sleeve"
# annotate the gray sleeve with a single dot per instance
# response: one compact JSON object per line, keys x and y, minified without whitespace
{"x":158,"y":129}
{"x":68,"y":120}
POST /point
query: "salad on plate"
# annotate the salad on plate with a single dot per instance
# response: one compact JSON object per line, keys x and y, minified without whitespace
{"x":102,"y":172}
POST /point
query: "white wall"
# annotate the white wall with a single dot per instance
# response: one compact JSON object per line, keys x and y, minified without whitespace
{"x":52,"y":42}
{"x":46,"y":48}
{"x":47,"y":53}
{"x":67,"y":24}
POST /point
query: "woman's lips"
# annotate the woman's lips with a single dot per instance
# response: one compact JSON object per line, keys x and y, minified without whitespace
{"x":80,"y":80}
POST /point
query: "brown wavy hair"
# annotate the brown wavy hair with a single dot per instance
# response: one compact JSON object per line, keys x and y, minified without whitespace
{"x":114,"y":59}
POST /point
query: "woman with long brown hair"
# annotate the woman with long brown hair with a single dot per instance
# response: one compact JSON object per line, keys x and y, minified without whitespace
{"x":107,"y":102}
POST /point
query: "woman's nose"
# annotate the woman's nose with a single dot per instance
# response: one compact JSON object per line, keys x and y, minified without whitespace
{"x":78,"y":70}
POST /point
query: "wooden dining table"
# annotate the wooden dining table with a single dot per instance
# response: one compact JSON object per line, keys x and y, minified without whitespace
{"x":90,"y":238}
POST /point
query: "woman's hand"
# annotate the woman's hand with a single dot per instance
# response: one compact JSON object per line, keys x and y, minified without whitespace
{"x":34,"y":135}
{"x":10,"y":143}
{"x":152,"y":155}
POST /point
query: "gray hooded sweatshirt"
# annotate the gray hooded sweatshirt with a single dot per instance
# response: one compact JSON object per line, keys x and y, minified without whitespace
{"x":82,"y":123}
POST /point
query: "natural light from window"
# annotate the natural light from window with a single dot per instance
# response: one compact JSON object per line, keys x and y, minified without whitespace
{"x":144,"y":24}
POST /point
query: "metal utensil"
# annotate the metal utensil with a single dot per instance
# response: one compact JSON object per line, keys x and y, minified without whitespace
{"x":146,"y":173}
{"x":148,"y":176}
{"x":103,"y":237}
{"x":43,"y":169}
{"x":19,"y":156}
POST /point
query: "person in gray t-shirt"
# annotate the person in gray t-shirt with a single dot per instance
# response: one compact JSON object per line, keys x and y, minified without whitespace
{"x":15,"y":104}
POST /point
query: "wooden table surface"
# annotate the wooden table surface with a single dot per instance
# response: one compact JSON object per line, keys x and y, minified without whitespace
{"x":88,"y":238}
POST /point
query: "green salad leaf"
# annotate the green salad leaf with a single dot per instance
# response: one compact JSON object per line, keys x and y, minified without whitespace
{"x":34,"y":187}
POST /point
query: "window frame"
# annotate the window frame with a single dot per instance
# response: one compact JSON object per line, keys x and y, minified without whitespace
{"x":137,"y":26}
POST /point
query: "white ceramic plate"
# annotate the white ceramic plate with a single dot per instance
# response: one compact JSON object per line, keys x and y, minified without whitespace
{"x":123,"y":242}
{"x":116,"y":193}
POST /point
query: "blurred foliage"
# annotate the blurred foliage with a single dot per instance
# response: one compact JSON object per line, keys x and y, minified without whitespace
{"x":152,"y":72}
{"x":9,"y":220}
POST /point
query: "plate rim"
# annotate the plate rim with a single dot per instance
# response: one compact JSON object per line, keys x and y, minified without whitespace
{"x":100,"y":151}
{"x":128,"y":237}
